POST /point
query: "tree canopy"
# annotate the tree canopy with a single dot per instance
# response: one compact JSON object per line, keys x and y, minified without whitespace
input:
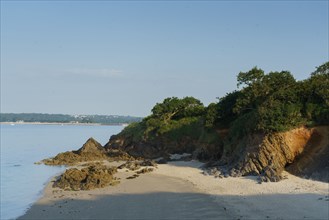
{"x":264,"y":102}
{"x":175,"y":108}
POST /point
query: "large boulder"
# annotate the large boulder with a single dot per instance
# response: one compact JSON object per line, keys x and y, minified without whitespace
{"x":91,"y":177}
{"x":90,"y":151}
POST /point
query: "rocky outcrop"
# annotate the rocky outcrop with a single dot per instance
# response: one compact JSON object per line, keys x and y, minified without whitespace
{"x":264,"y":155}
{"x":159,"y":147}
{"x":302,"y":151}
{"x":91,"y":172}
{"x":90,"y":151}
{"x":267,"y":155}
{"x":91,"y":147}
{"x":91,"y":177}
{"x":119,"y":155}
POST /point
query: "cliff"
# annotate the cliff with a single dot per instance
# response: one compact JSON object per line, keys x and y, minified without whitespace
{"x":313,"y":161}
{"x":302,"y":151}
{"x":163,"y":146}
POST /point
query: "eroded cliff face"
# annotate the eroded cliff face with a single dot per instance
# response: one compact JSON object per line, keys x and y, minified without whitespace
{"x":313,"y":161}
{"x":159,"y":147}
{"x":303,"y":150}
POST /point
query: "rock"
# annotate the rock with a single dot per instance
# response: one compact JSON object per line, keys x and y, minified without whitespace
{"x":162,"y":161}
{"x":90,"y":151}
{"x":312,"y":162}
{"x":119,"y":155}
{"x":145,"y":170}
{"x":151,"y":148}
{"x":88,"y":164}
{"x":135,"y":165}
{"x":180,"y":157}
{"x":130,"y":165}
{"x":270,"y":174}
{"x":86,"y":178}
{"x":66,"y":158}
{"x":132,"y":177}
{"x":205,"y":172}
{"x":213,"y":171}
{"x":150,"y":163}
{"x":266,"y":155}
{"x":91,"y":147}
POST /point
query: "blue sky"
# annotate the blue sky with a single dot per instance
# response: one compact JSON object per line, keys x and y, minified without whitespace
{"x":112,"y":57}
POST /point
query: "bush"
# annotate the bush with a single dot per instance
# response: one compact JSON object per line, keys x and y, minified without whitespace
{"x":186,"y":127}
{"x":135,"y":131}
{"x":279,"y":116}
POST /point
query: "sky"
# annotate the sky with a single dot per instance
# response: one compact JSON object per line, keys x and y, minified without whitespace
{"x":123,"y":57}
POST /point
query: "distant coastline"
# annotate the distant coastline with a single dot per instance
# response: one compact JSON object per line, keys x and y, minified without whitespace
{"x":59,"y":119}
{"x":65,"y":123}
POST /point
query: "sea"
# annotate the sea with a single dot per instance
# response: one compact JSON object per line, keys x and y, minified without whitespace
{"x":22,"y":181}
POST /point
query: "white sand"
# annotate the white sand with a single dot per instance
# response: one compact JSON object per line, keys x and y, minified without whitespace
{"x":292,"y":198}
{"x":179,"y":191}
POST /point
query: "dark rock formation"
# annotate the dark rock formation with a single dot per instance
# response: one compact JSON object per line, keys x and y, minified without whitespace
{"x":161,"y":147}
{"x":91,"y":147}
{"x":90,"y":151}
{"x":66,"y":158}
{"x":119,"y":155}
{"x":87,"y":178}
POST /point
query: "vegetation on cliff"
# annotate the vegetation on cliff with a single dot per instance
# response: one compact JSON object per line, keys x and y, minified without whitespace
{"x":175,"y":126}
{"x":266,"y":103}
{"x":268,"y":124}
{"x":263,"y":105}
{"x":275,"y":102}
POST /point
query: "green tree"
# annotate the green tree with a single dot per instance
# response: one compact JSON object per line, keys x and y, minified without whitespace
{"x":175,"y":108}
{"x":211,"y":114}
{"x":314,"y":93}
{"x":261,"y":86}
{"x":225,"y":106}
{"x":251,"y":77}
{"x":323,"y":69}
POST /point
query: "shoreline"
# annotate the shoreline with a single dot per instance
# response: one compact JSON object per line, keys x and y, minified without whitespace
{"x":58,"y":123}
{"x":178,"y":190}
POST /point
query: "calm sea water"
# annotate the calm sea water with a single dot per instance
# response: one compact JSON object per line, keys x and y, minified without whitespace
{"x":22,"y":181}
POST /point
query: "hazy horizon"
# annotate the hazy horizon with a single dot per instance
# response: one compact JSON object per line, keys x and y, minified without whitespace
{"x":63,"y":114}
{"x":120,"y":58}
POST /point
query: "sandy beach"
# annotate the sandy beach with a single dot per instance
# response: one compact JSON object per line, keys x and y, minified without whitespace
{"x":179,"y":190}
